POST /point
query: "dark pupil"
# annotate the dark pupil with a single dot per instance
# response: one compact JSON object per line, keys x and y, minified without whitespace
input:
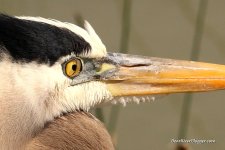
{"x":74,"y":67}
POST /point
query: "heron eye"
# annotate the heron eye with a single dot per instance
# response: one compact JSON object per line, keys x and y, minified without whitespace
{"x":73,"y":67}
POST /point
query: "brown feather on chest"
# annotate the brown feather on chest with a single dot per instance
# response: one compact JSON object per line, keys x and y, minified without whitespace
{"x":77,"y":131}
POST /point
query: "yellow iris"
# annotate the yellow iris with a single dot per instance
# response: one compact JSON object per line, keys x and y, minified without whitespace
{"x":73,"y":68}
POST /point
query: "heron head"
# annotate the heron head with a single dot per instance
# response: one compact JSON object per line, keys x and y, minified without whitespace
{"x":59,"y":67}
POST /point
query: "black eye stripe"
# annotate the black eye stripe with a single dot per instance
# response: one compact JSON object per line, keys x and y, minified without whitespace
{"x":27,"y":41}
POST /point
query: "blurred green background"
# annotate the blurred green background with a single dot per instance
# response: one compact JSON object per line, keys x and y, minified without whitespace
{"x":160,"y":28}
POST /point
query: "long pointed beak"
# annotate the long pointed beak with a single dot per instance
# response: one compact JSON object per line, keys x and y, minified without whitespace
{"x":128,"y":75}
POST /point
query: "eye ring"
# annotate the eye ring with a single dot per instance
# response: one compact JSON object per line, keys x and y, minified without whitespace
{"x":72,"y":67}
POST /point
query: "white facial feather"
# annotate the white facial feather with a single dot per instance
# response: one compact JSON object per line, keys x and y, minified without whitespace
{"x":34,"y":94}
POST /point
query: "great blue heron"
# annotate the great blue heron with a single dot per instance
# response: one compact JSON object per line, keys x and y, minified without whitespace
{"x":49,"y":68}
